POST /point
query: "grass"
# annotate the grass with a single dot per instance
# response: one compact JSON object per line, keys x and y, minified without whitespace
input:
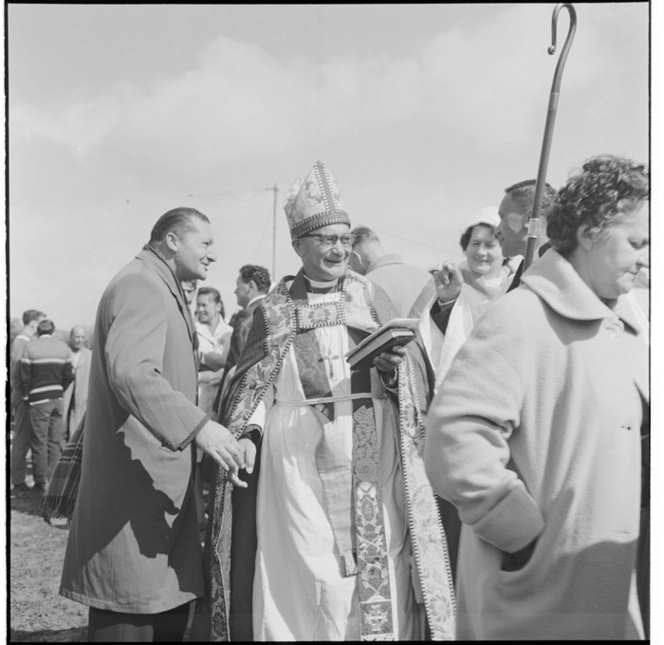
{"x":37,"y":613}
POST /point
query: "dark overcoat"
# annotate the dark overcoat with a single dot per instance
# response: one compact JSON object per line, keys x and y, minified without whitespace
{"x":133,"y":544}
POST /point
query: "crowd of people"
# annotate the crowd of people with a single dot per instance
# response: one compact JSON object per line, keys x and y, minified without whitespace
{"x":239,"y":481}
{"x":49,"y":391}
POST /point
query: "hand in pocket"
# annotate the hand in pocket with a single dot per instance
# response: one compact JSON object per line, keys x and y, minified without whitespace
{"x":518,"y":560}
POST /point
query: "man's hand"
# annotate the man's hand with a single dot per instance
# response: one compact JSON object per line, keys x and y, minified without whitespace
{"x":448,"y":282}
{"x":217,"y":441}
{"x":389,"y":361}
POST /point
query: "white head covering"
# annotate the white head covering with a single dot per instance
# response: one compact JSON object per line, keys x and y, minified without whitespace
{"x":487,"y":215}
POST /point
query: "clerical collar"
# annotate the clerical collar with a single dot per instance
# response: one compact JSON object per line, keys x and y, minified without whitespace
{"x":321,"y":287}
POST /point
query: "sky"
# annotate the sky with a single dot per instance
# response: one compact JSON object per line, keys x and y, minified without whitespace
{"x":424,"y":114}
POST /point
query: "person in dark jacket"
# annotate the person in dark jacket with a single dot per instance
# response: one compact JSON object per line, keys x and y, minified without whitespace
{"x":252,"y":285}
{"x":45,"y":372}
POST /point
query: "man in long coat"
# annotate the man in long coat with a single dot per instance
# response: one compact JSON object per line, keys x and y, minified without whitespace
{"x":134,"y":554}
{"x":338,"y":535}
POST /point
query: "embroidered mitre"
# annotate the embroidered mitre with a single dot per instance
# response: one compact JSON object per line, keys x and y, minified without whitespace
{"x":314,"y":203}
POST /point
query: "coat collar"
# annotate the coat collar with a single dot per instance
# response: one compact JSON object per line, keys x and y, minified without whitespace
{"x":154,"y":259}
{"x":556,"y":282}
{"x":253,"y":304}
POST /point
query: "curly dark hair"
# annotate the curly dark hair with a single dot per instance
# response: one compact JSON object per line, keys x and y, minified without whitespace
{"x":468,"y":233}
{"x":258,"y":274}
{"x":605,"y":189}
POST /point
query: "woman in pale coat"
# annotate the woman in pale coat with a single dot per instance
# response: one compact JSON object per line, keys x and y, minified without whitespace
{"x":535,"y":434}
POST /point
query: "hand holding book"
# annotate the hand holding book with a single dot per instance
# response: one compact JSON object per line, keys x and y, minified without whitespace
{"x":384,"y":348}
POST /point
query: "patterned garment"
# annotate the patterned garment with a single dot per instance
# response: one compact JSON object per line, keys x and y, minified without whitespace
{"x":358,"y":562}
{"x":60,"y":497}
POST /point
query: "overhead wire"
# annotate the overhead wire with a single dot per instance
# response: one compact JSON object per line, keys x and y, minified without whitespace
{"x":126,"y":200}
{"x":404,"y":239}
{"x":231,"y":194}
{"x":235,"y":197}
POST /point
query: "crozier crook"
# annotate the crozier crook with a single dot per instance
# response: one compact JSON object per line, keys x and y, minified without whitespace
{"x":534,"y":220}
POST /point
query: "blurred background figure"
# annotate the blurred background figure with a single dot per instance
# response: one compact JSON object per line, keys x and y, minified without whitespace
{"x":252,"y":285}
{"x":75,"y":398}
{"x":189,"y":288}
{"x":214,"y":336}
{"x":536,"y":432}
{"x":19,"y":407}
{"x":214,"y":339}
{"x":512,"y":234}
{"x":484,"y":275}
{"x":45,"y":372}
{"x":514,"y":211}
{"x":409,"y":288}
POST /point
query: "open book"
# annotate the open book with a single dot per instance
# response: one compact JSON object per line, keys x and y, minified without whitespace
{"x":399,"y":331}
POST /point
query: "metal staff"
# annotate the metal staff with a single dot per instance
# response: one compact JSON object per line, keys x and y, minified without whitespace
{"x":534,"y":221}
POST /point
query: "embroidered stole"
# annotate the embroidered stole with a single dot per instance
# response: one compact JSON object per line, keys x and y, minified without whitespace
{"x":353,"y":500}
{"x":293,"y":320}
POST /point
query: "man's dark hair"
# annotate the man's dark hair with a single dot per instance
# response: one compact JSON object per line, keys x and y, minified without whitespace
{"x":364,"y":234}
{"x":45,"y":327}
{"x":216,"y":296}
{"x":178,"y":219}
{"x":32,"y":314}
{"x":523,"y":195}
{"x":258,"y":274}
{"x":210,"y":291}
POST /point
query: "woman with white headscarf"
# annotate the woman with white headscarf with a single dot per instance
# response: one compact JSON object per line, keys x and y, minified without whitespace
{"x":485,"y":276}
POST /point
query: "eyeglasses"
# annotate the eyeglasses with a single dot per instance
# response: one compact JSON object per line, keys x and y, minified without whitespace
{"x":331,"y":240}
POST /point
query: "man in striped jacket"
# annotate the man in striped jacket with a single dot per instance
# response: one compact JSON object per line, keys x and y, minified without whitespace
{"x":44,"y":374}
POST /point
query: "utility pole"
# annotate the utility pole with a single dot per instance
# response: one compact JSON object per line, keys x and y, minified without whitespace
{"x":274,"y":234}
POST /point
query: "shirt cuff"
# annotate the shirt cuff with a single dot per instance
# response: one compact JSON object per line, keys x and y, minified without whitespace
{"x":194,"y":432}
{"x":253,"y":432}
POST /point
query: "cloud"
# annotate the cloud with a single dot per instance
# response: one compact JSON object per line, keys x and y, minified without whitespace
{"x":239,"y":103}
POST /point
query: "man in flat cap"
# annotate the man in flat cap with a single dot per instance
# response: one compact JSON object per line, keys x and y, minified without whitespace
{"x":337,"y":535}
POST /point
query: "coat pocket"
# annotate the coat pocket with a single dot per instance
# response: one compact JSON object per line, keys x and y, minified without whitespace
{"x":512,"y":562}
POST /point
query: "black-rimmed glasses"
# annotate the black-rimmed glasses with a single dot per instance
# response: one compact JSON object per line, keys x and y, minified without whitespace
{"x":330,"y":240}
